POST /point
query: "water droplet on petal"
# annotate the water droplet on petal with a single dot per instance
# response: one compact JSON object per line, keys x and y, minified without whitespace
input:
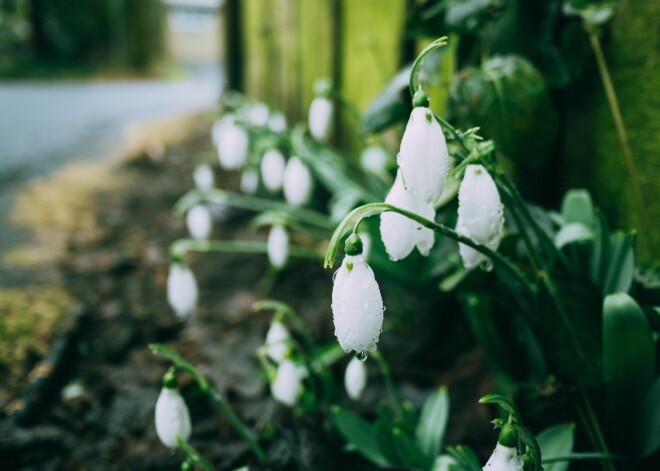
{"x":362,"y":356}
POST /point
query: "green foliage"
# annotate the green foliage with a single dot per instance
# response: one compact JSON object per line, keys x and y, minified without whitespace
{"x":556,"y":441}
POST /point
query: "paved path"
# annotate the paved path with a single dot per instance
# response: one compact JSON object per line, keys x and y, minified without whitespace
{"x":45,"y":125}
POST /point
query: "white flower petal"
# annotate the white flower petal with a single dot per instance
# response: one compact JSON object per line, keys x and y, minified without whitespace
{"x":355,"y":378}
{"x":203,"y":177}
{"x":277,"y":341}
{"x":258,"y":114}
{"x":172,"y":417}
{"x":278,"y":247}
{"x":298,"y":182}
{"x":277,"y":122}
{"x":272,"y":169}
{"x":200,"y":222}
{"x":288,"y":383}
{"x":249,"y":181}
{"x":374,"y":159}
{"x":321,"y":112}
{"x":504,"y":459}
{"x":479,"y":207}
{"x":357,"y":306}
{"x":423,"y":157}
{"x":182,"y":290}
{"x":232,"y":142}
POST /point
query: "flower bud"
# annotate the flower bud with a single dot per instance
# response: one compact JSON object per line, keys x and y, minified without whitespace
{"x":321,"y":113}
{"x":172,"y":417}
{"x":258,"y":114}
{"x":357,"y":306}
{"x":355,"y":378}
{"x":199,"y":222}
{"x":203,"y":177}
{"x":480,"y":214}
{"x":249,"y":181}
{"x":401,"y":235}
{"x":182,"y":290}
{"x":423,"y":157}
{"x":278,"y":247}
{"x":298,"y":182}
{"x":232,"y":142}
{"x":277,"y":122}
{"x":288,"y":383}
{"x":277,"y":339}
{"x":272,"y":169}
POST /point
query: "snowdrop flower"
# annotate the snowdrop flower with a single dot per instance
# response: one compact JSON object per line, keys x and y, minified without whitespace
{"x":278,"y":247}
{"x":298,"y":182}
{"x":277,"y":340}
{"x":172,"y":416}
{"x":258,"y":114}
{"x":480,"y":214}
{"x":200,"y":222}
{"x":374,"y":159}
{"x":423,"y":157}
{"x":203,"y":177}
{"x":182,"y":290}
{"x":505,"y":456}
{"x":272,"y":169}
{"x":277,"y":122}
{"x":321,"y":112}
{"x":355,"y":378}
{"x":357,"y":305}
{"x":249,"y":181}
{"x":232,"y":142}
{"x":288,"y":383}
{"x":401,"y":235}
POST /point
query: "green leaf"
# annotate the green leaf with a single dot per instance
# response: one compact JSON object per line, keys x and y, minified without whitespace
{"x":556,"y":441}
{"x":628,"y":349}
{"x":504,"y":403}
{"x":600,"y":250}
{"x":408,"y":452}
{"x":390,"y":107}
{"x":621,"y":263}
{"x":432,"y":424}
{"x":468,"y":15}
{"x":647,"y":438}
{"x":360,"y":433}
{"x":577,"y":207}
{"x":572,"y":233}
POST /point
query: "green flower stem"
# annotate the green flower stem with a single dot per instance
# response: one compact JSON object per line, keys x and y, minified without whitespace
{"x":195,"y":457}
{"x":529,"y":247}
{"x":389,"y":381}
{"x":180,"y":247}
{"x":590,"y":422}
{"x":212,"y":395}
{"x":457,"y":136}
{"x":414,"y":72}
{"x":617,"y":117}
{"x":581,"y":457}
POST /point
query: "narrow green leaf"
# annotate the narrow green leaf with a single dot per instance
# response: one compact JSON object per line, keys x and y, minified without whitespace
{"x":621,"y":266}
{"x":408,"y":452}
{"x":504,"y":403}
{"x":647,"y":438}
{"x":432,"y":424}
{"x":360,"y":433}
{"x":556,"y":441}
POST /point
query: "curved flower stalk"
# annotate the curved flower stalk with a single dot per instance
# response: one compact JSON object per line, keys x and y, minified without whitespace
{"x":400,"y":234}
{"x":277,"y":122}
{"x":423,"y":158}
{"x":249,"y":181}
{"x":298,"y":182}
{"x":480,"y":214}
{"x":287,"y":386}
{"x":203,"y":177}
{"x":357,"y":305}
{"x":171,"y":417}
{"x":278,"y":247}
{"x":232,"y":143}
{"x":182,"y":290}
{"x":200,"y":222}
{"x":355,"y":378}
{"x":321,"y":113}
{"x":258,"y":114}
{"x":272,"y":170}
{"x":277,"y":341}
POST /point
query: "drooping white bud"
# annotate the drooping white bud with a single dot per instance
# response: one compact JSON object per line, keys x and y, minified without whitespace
{"x":272,"y":169}
{"x":298,"y":182}
{"x":423,"y":157}
{"x":200,"y":222}
{"x":278,"y":247}
{"x":374,"y":159}
{"x":203,"y":177}
{"x":277,"y":122}
{"x":401,"y":235}
{"x":232,"y":142}
{"x":321,"y":112}
{"x":277,"y":341}
{"x":480,"y":214}
{"x":288,"y":383}
{"x":182,"y":290}
{"x":355,"y":378}
{"x":172,"y":417}
{"x":249,"y":181}
{"x":357,"y":306}
{"x":258,"y":114}
{"x":504,"y":459}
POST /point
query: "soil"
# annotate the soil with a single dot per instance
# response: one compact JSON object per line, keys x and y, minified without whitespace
{"x":85,"y":399}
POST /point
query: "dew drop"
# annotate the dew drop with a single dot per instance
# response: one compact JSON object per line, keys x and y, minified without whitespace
{"x":362,"y":356}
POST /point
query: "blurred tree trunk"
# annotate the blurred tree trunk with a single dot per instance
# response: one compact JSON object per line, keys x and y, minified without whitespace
{"x":144,"y":31}
{"x":40,"y":44}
